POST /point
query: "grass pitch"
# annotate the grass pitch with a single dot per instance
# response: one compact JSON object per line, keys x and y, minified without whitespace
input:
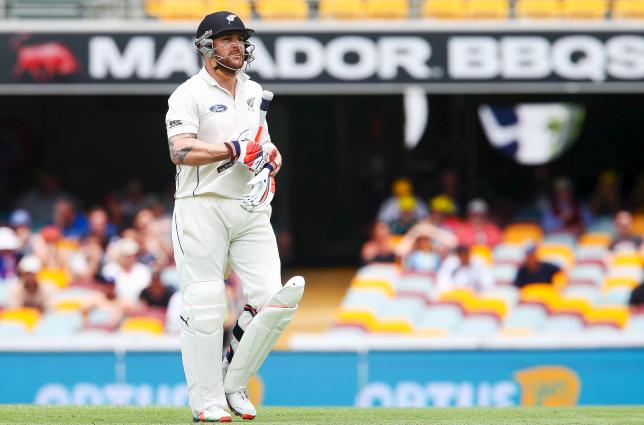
{"x":54,"y":415}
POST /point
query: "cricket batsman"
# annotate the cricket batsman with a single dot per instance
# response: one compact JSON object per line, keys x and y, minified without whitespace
{"x":225,"y":168}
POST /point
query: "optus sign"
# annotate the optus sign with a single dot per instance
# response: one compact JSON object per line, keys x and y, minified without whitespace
{"x":537,"y":386}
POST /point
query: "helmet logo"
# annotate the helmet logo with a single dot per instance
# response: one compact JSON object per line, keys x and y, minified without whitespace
{"x":230,"y":18}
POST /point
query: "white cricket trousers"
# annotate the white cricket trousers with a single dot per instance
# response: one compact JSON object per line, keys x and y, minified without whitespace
{"x":210,"y":232}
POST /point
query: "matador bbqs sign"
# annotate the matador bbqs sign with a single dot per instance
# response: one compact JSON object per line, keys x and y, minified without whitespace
{"x":332,"y":62}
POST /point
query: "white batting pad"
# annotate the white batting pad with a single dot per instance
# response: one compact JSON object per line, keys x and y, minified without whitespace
{"x":262,"y":333}
{"x":202,"y":317}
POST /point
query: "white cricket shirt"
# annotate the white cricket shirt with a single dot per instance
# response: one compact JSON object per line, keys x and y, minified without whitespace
{"x":203,"y":107}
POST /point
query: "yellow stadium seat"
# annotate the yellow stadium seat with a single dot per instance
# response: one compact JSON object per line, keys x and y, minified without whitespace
{"x":495,"y":307}
{"x":612,"y":282}
{"x":341,"y":9}
{"x":585,"y":9}
{"x":522,"y":232}
{"x":540,"y":293}
{"x":360,"y":317}
{"x":57,"y":277}
{"x":387,"y":9}
{"x":459,"y":296}
{"x":148,"y":325}
{"x":595,"y":239}
{"x":488,"y":9}
{"x":443,"y":9}
{"x":578,"y":306}
{"x":628,"y":9}
{"x":392,"y":325}
{"x":616,"y":316}
{"x":177,"y":9}
{"x":27,"y":316}
{"x":627,"y":260}
{"x":537,"y":9}
{"x":379,"y":284}
{"x":559,"y":254}
{"x":482,"y":252}
{"x":241,"y":8}
{"x":69,"y":305}
{"x":282,"y":9}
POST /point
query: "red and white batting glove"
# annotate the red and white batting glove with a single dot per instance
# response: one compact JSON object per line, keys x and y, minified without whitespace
{"x":248,"y":153}
{"x":262,"y":190}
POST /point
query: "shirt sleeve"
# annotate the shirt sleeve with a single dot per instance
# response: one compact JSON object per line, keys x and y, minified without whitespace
{"x":183,"y":114}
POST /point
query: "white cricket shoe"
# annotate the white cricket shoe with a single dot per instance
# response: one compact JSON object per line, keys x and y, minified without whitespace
{"x":213,"y":414}
{"x":240,"y":404}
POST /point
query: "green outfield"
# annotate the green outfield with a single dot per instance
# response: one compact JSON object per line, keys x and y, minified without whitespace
{"x":31,"y":415}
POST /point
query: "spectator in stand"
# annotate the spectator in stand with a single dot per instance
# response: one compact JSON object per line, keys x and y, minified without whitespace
{"x":443,"y":212}
{"x":636,"y":300}
{"x":156,"y":294}
{"x":625,"y":240}
{"x":9,"y":243}
{"x":46,"y":247}
{"x":390,"y":208}
{"x":20,"y":222}
{"x":428,"y":235}
{"x":461,"y":271}
{"x":130,"y":276}
{"x":379,"y":248}
{"x":606,"y":199}
{"x":564,"y":213}
{"x":105,"y":310}
{"x":135,"y":200}
{"x":534,"y":271}
{"x":155,"y":249}
{"x":27,"y":291}
{"x":40,"y":202}
{"x":100,"y":227}
{"x":421,"y":257}
{"x":478,"y":229}
{"x":73,"y":225}
{"x":406,"y":216}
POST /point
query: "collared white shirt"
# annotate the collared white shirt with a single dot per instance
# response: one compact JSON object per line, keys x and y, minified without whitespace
{"x":203,"y":107}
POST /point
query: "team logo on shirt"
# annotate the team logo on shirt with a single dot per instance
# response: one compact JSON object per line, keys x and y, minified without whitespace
{"x":174,"y":123}
{"x":218,"y":108}
{"x":251,"y":103}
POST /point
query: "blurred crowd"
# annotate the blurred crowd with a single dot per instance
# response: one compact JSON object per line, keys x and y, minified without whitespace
{"x":435,"y":238}
{"x":110,"y":262}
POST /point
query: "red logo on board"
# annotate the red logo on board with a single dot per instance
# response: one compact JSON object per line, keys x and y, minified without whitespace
{"x":43,"y":61}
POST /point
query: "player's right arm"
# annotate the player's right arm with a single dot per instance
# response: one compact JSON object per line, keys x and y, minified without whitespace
{"x":186,"y":149}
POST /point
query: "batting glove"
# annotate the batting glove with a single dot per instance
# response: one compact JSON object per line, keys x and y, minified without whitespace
{"x":249,"y":153}
{"x":262,"y":190}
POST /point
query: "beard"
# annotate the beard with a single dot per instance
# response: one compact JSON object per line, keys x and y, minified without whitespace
{"x":232,"y":63}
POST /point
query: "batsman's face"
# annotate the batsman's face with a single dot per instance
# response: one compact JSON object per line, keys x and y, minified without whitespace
{"x":230,"y":48}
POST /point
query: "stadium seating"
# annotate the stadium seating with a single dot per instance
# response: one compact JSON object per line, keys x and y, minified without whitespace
{"x":520,"y":233}
{"x":176,"y":9}
{"x":241,"y":8}
{"x":27,"y":317}
{"x":537,"y":8}
{"x":585,"y":9}
{"x":341,"y":9}
{"x":387,"y":9}
{"x":282,"y":9}
{"x":142,"y":325}
{"x":488,"y":9}
{"x":59,"y":324}
{"x":443,"y":9}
